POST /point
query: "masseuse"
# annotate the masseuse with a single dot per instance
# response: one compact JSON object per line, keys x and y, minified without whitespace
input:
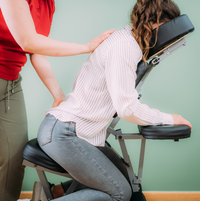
{"x":24,"y":27}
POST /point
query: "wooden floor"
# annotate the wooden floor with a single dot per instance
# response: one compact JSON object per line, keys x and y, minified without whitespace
{"x":26,"y":194}
{"x":152,"y":196}
{"x":172,"y":196}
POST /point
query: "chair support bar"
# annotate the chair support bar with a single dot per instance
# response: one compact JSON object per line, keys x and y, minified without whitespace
{"x":45,"y":184}
{"x":131,"y":174}
{"x":168,"y":51}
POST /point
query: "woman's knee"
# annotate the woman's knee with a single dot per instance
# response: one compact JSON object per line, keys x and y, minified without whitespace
{"x":124,"y":193}
{"x":127,"y":192}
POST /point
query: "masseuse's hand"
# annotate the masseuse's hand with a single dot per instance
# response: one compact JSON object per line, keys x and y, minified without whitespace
{"x":179,"y":120}
{"x":95,"y":42}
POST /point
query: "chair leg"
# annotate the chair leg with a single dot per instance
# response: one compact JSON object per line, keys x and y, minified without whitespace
{"x":45,"y":184}
{"x":133,"y":179}
{"x":72,"y":187}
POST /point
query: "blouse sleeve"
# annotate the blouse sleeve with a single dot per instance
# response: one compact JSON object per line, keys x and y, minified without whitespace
{"x":120,"y":71}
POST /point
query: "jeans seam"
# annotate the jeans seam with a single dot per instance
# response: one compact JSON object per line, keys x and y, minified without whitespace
{"x":104,"y":173}
{"x":68,"y":124}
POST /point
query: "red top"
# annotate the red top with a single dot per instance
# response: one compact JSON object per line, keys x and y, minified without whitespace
{"x":12,"y":57}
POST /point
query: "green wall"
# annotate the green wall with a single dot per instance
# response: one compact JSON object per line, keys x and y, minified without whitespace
{"x":172,"y":87}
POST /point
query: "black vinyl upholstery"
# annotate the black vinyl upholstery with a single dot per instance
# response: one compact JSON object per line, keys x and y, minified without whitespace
{"x":170,"y":32}
{"x":142,"y":68}
{"x":165,"y":132}
{"x":33,"y":153}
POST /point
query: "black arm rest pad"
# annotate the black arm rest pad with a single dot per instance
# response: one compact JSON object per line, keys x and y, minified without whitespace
{"x":164,"y":132}
{"x":33,"y":153}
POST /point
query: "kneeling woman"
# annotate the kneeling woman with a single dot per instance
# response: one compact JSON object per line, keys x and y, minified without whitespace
{"x":71,"y":132}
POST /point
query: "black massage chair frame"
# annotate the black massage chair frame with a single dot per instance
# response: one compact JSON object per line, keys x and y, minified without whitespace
{"x":171,"y":37}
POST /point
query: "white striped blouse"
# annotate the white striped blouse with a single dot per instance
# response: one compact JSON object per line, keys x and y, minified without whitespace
{"x":106,"y":85}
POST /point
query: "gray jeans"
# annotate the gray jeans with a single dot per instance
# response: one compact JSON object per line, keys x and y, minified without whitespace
{"x":85,"y":163}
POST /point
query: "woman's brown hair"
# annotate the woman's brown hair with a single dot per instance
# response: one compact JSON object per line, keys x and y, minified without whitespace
{"x":146,"y":13}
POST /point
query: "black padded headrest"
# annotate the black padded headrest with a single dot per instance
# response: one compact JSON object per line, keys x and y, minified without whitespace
{"x":170,"y":32}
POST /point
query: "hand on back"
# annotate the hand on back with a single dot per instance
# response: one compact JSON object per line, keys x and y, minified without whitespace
{"x":95,"y":42}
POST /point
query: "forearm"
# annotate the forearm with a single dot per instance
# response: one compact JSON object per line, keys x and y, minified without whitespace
{"x":141,"y":114}
{"x":44,"y":71}
{"x":42,"y":45}
{"x":23,"y":30}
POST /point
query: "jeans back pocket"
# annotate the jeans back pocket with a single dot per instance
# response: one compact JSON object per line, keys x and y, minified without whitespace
{"x":45,"y":131}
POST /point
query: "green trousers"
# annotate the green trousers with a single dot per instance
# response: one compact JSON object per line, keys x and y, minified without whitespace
{"x":13,"y":137}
